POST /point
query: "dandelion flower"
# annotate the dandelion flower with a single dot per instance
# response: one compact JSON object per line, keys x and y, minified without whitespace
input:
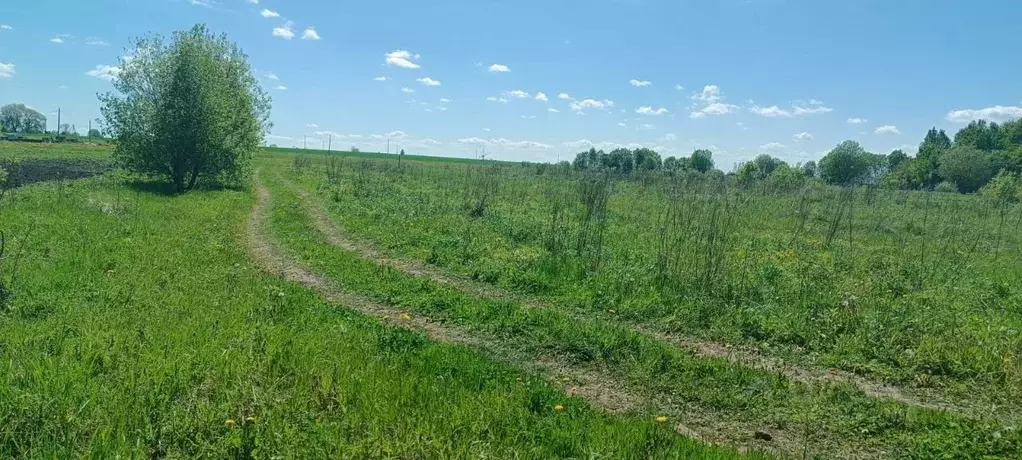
{"x":405,"y":317}
{"x":230,"y":423}
{"x":250,"y":419}
{"x":559,"y":408}
{"x":661,"y":419}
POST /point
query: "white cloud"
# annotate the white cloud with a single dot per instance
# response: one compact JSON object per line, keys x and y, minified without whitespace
{"x":57,"y":40}
{"x":505,"y":143}
{"x":442,"y":109}
{"x":621,"y":125}
{"x":381,"y":78}
{"x":817,"y":109}
{"x":472,"y":140}
{"x":887,"y":129}
{"x":565,"y":97}
{"x":267,"y":13}
{"x":95,"y":41}
{"x":5,"y":27}
{"x":428,"y":81}
{"x":284,"y":31}
{"x":541,"y":97}
{"x":310,"y":34}
{"x":401,"y":58}
{"x":62,"y":87}
{"x":278,"y":138}
{"x":997,"y":113}
{"x":281,"y":88}
{"x":647,"y":110}
{"x":205,"y":3}
{"x":580,"y":106}
{"x":553,"y":110}
{"x":499,"y":68}
{"x":772,"y":111}
{"x":495,"y":99}
{"x":803,"y":136}
{"x":710,"y":94}
{"x":444,"y":100}
{"x":104,"y":72}
{"x":857,"y":121}
{"x":679,"y":87}
{"x":397,"y":134}
{"x":527,"y":117}
{"x":407,"y":90}
{"x":312,"y":125}
{"x":713,"y":109}
{"x":517,"y":94}
{"x":640,"y":83}
{"x":669,"y":137}
{"x":6,"y":70}
{"x":772,"y":147}
{"x":486,"y":129}
{"x":272,"y":76}
{"x":712,"y":103}
{"x":254,"y":2}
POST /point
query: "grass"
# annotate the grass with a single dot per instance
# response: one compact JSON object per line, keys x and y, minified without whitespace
{"x":43,"y":151}
{"x":140,"y":326}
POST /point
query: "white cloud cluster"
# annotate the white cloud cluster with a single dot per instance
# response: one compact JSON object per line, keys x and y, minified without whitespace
{"x":105,"y":72}
{"x":310,"y":34}
{"x":6,"y":70}
{"x":499,"y":68}
{"x":814,"y":107}
{"x":518,"y":94}
{"x":95,"y":41}
{"x":407,"y":90}
{"x":565,"y":96}
{"x":284,"y":31}
{"x":496,"y":99}
{"x":709,"y":102}
{"x":381,"y":78}
{"x":857,"y":121}
{"x":401,"y":58}
{"x":505,"y":143}
{"x":428,"y":81}
{"x":280,"y":88}
{"x":5,"y":27}
{"x":772,"y":147}
{"x":887,"y":129}
{"x":801,"y":137}
{"x":268,"y":13}
{"x":647,"y":110}
{"x":640,"y":83}
{"x":997,"y":113}
{"x":541,"y":97}
{"x":586,"y":104}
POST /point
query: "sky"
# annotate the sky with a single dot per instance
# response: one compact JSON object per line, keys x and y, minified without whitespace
{"x":542,"y":80}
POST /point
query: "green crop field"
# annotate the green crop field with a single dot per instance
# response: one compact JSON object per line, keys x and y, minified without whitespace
{"x":342,"y":305}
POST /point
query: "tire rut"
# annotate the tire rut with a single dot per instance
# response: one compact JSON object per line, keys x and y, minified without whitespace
{"x":701,"y":348}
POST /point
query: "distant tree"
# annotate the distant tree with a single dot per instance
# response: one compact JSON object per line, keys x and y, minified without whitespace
{"x":895,"y":159}
{"x":187,"y":109}
{"x":766,"y":164}
{"x":747,"y":174}
{"x":620,"y":160}
{"x":95,"y":133}
{"x":65,"y":129}
{"x":702,"y":160}
{"x":353,"y":149}
{"x":845,"y":165}
{"x":810,"y":169}
{"x":981,"y":135}
{"x":402,"y":152}
{"x":19,"y":118}
{"x":646,"y":159}
{"x":931,"y":149}
{"x":1005,"y":189}
{"x":968,"y":167}
{"x":786,"y":178}
{"x":946,"y":187}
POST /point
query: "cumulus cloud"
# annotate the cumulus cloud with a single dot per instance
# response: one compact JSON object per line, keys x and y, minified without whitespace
{"x":505,"y":143}
{"x":381,"y":78}
{"x":401,"y":58}
{"x":519,"y":94}
{"x":586,"y":104}
{"x":284,"y":31}
{"x":678,"y":87}
{"x":541,"y":97}
{"x":496,"y":99}
{"x":565,"y":96}
{"x":428,"y":81}
{"x":499,"y":68}
{"x":5,"y":27}
{"x":621,"y":124}
{"x":640,"y":83}
{"x":997,"y":113}
{"x":6,"y":70}
{"x":772,"y":147}
{"x":105,"y":72}
{"x":857,"y":121}
{"x":268,"y":13}
{"x":527,"y":117}
{"x":669,"y":137}
{"x":310,"y":34}
{"x":407,"y":90}
{"x":800,"y":137}
{"x":254,"y":2}
{"x":709,"y":102}
{"x":647,"y":110}
{"x":772,"y":111}
{"x":887,"y":129}
{"x":814,"y":107}
{"x":95,"y":41}
{"x":553,"y":110}
{"x":709,"y":94}
{"x":57,"y":40}
{"x":444,"y":100}
{"x":280,"y":88}
{"x":312,"y":125}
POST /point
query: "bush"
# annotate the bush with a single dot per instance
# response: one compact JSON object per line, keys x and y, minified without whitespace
{"x":946,"y":187}
{"x":187,"y":109}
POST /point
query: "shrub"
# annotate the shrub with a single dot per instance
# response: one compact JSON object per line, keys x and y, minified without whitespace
{"x":946,"y":187}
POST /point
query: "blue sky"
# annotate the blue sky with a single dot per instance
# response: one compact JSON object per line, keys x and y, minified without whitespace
{"x":740,"y":77}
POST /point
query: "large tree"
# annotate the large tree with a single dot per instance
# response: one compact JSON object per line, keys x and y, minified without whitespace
{"x":702,"y":160}
{"x":847,"y":164}
{"x":968,"y":167}
{"x":19,"y":118}
{"x":188,"y":109}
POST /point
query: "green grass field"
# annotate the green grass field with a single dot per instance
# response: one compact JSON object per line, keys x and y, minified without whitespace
{"x":345,"y":307}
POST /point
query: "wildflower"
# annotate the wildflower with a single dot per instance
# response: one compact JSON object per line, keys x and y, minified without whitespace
{"x":405,"y":317}
{"x":559,"y":408}
{"x":230,"y":423}
{"x":280,"y":294}
{"x":661,"y":418}
{"x":250,"y":419}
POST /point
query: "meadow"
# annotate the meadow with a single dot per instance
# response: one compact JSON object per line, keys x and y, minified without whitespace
{"x":344,"y":305}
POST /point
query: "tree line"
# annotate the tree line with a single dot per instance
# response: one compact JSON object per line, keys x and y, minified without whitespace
{"x":979,"y":153}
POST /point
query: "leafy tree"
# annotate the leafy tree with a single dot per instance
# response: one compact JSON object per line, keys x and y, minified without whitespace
{"x":1004,"y":189}
{"x":786,"y":178}
{"x":619,"y":159}
{"x":895,"y":159}
{"x":646,"y":159}
{"x":702,"y":160}
{"x":19,"y":118}
{"x":968,"y":167}
{"x":65,"y":129}
{"x":845,"y":165}
{"x":928,"y":157}
{"x":766,"y":164}
{"x":747,"y":174}
{"x":95,"y":133}
{"x":187,"y":109}
{"x":981,"y":135}
{"x":810,"y":169}
{"x":946,"y":187}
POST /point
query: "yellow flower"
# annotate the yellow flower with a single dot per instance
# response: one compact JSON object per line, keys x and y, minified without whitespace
{"x":230,"y":423}
{"x":250,"y":419}
{"x":661,"y":419}
{"x":559,"y":408}
{"x":405,"y":317}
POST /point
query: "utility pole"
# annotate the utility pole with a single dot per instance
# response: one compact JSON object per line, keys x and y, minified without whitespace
{"x":58,"y":121}
{"x":388,"y":146}
{"x":329,"y":143}
{"x":305,"y":141}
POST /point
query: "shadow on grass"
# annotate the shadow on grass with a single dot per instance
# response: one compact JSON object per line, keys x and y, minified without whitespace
{"x":166,"y":188}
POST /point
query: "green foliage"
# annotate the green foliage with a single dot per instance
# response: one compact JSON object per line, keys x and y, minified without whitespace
{"x":946,"y":187}
{"x":1004,"y":189}
{"x":810,"y":169}
{"x":766,"y":165}
{"x":187,"y":109}
{"x":701,"y":160}
{"x":747,"y":174}
{"x":968,"y":167}
{"x":646,"y":159}
{"x":785,"y":178}
{"x":19,"y":118}
{"x":980,"y":135}
{"x":846,"y":164}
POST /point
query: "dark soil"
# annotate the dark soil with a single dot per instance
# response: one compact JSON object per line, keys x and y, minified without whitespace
{"x":27,"y":172}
